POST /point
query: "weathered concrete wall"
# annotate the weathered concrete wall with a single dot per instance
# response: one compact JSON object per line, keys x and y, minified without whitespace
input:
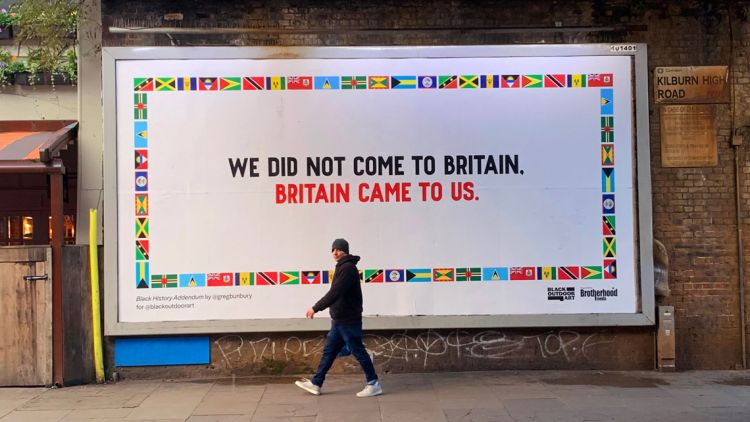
{"x":41,"y":102}
{"x":694,"y":209}
{"x":424,"y":351}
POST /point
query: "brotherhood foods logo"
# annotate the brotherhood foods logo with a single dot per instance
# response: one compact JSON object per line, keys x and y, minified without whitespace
{"x":561,"y":293}
{"x":598,"y":294}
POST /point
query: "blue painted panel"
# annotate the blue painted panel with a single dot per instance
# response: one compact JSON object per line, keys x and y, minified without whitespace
{"x":149,"y":351}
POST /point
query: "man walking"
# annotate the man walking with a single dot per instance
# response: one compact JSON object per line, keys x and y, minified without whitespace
{"x":345,"y":301}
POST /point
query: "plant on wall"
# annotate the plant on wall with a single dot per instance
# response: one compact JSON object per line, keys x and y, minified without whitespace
{"x":48,"y":27}
{"x":7,"y":19}
{"x":5,"y":60}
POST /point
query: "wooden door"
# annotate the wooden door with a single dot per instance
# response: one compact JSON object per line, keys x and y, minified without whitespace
{"x":25,"y":316}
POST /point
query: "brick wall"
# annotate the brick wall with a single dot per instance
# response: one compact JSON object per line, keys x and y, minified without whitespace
{"x":694,"y":209}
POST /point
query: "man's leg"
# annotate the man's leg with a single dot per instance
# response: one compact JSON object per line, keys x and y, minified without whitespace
{"x":352,"y":335}
{"x":334,"y":343}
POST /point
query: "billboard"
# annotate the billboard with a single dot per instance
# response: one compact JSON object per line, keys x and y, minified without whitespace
{"x":476,"y":184}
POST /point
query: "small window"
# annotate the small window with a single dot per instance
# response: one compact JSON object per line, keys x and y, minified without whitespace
{"x":28,"y":228}
{"x":14,"y":229}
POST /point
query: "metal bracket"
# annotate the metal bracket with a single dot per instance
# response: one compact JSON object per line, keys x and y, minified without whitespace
{"x":35,"y":277}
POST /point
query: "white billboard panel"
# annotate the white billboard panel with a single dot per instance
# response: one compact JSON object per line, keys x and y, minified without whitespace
{"x":468,"y":185}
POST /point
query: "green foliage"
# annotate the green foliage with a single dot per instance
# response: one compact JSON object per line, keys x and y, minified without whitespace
{"x":49,"y":26}
{"x":7,"y":18}
{"x":69,"y":68}
{"x":5,"y":61}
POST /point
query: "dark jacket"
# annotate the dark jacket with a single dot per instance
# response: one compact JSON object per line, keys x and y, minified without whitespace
{"x":345,"y":295}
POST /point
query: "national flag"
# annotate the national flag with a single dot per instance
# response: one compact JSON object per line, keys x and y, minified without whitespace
{"x":608,"y":155}
{"x":442,"y":274}
{"x":166,"y":84}
{"x":374,"y":276}
{"x":489,"y":81}
{"x":531,"y":81}
{"x":140,"y":133}
{"x":230,"y":84}
{"x":600,"y":79}
{"x":299,"y":82}
{"x":427,"y":82}
{"x":141,"y":275}
{"x":495,"y":273}
{"x":608,"y":129}
{"x":311,"y":277}
{"x":140,"y":106}
{"x":607,"y":96}
{"x":608,"y":179}
{"x":141,"y":204}
{"x":244,"y":279}
{"x":510,"y":81}
{"x":609,"y":246}
{"x":468,"y":81}
{"x":219,"y":279}
{"x":394,"y":276}
{"x":354,"y":82}
{"x":289,"y":277}
{"x":141,"y":250}
{"x":192,"y":280}
{"x":576,"y":81}
{"x":266,"y":278}
{"x":143,"y":84}
{"x":554,"y":81}
{"x":608,"y":225}
{"x":568,"y":273}
{"x":448,"y":82}
{"x":141,"y":227}
{"x":608,"y":203}
{"x":253,"y":83}
{"x":418,"y":275}
{"x":522,"y":273}
{"x":610,"y":269}
{"x":377,"y":82}
{"x":469,"y":274}
{"x":163,"y":281}
{"x":276,"y":83}
{"x":403,"y":82}
{"x":546,"y":273}
{"x":326,"y":277}
{"x":187,"y":84}
{"x":141,"y":159}
{"x":589,"y":273}
{"x":327,"y":82}
{"x":208,"y":84}
{"x":141,"y":181}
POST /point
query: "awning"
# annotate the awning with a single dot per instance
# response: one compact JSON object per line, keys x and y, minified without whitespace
{"x":33,"y":146}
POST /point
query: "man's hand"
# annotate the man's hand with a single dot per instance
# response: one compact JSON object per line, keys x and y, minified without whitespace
{"x":310,"y":313}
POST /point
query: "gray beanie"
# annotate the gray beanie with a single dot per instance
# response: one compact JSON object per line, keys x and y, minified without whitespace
{"x":342,"y":245}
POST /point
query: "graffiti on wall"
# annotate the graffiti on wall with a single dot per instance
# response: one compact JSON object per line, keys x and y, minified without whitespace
{"x":420,"y":348}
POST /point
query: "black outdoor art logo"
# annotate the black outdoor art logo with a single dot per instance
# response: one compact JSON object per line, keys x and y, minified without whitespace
{"x":561,"y":293}
{"x":598,"y":294}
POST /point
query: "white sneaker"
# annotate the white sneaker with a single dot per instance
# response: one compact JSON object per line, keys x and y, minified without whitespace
{"x":308,"y":386}
{"x":371,"y":390}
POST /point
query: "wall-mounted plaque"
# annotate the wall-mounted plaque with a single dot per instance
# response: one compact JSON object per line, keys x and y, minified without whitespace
{"x":691,"y":84}
{"x":688,"y":136}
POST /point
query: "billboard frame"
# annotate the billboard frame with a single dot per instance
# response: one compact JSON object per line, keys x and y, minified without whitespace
{"x":645,"y":316}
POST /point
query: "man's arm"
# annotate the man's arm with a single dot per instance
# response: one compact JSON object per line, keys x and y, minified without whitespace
{"x":340,"y":285}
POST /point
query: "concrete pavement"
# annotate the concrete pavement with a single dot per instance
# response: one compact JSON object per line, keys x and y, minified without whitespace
{"x":467,"y":396}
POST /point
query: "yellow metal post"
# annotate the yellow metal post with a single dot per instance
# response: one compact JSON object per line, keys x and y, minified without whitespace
{"x":95,"y":308}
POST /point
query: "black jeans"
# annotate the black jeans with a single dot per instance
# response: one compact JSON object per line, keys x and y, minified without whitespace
{"x":351,"y":336}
